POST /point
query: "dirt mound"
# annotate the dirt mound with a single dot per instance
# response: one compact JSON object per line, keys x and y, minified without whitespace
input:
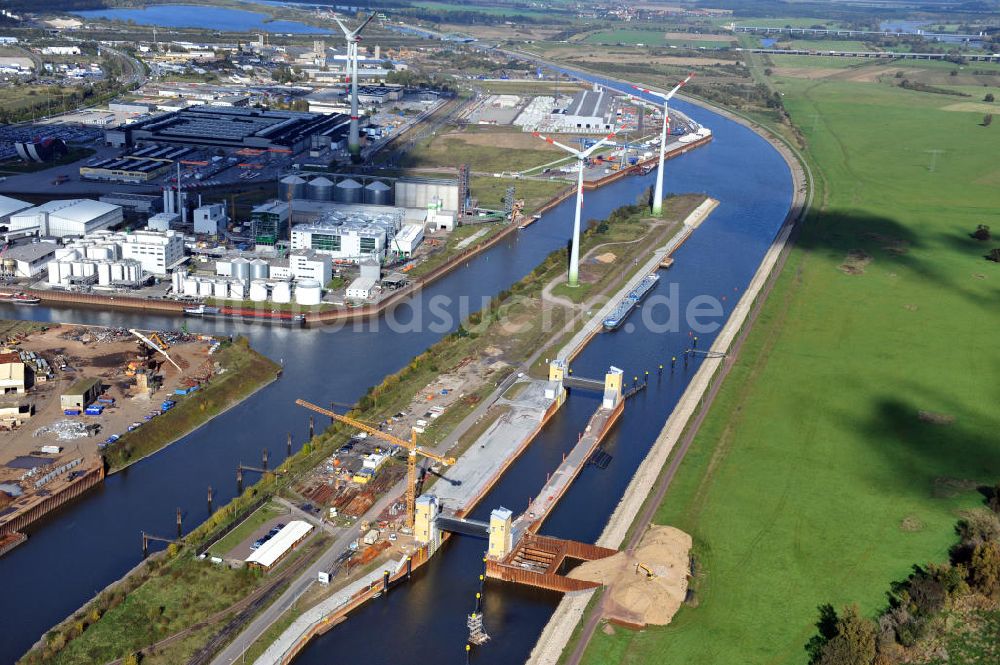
{"x":633,"y":597}
{"x":606,"y":257}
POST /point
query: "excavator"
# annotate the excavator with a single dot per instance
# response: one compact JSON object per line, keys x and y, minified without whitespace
{"x":646,"y":569}
{"x":411,"y":446}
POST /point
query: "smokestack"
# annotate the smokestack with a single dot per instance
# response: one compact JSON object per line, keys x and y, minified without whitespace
{"x":168,"y":201}
{"x":378,"y":52}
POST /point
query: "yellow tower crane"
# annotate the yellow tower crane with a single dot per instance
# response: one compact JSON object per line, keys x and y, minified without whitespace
{"x":411,"y":446}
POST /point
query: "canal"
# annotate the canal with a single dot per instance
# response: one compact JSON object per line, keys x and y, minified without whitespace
{"x":78,"y":550}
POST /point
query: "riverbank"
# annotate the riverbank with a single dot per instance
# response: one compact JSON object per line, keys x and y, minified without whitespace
{"x":241,"y":372}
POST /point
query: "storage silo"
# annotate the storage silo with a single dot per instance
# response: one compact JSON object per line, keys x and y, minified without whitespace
{"x":224,"y":268}
{"x":308,"y":292}
{"x":378,"y":193}
{"x":177,"y":281}
{"x":237,"y":289}
{"x":258,"y":290}
{"x":205,"y":288}
{"x":281,"y":292}
{"x":89,"y":269}
{"x":118,"y":274}
{"x":65,"y":270}
{"x":320,"y":189}
{"x":134,"y":271}
{"x":220,"y":289}
{"x":103,"y":274}
{"x":291,"y":185}
{"x":240,"y":268}
{"x":259,"y":269}
{"x":77,"y":268}
{"x":348,"y":191}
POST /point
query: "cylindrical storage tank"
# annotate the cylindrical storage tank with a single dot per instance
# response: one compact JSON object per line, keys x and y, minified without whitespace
{"x":378,"y":193}
{"x":348,"y":191}
{"x":134,"y":272}
{"x":281,"y":292}
{"x":177,"y":281}
{"x":103,"y":274}
{"x":66,"y":254}
{"x":118,"y":272}
{"x":77,"y":268}
{"x":65,"y":270}
{"x":89,"y":269}
{"x":237,"y":289}
{"x":320,"y":189}
{"x":191,"y":286}
{"x":308,"y":292}
{"x":291,"y":185}
{"x":220,"y":289}
{"x":241,"y":268}
{"x":224,"y":268}
{"x":259,"y":269}
{"x":258,"y":290}
{"x":205,"y":287}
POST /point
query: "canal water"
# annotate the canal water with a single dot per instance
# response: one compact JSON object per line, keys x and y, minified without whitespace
{"x":83,"y":547}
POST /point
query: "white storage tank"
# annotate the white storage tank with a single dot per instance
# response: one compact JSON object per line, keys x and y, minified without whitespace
{"x":308,"y":292}
{"x":191,"y":286}
{"x":237,"y":289}
{"x":220,"y":289}
{"x":224,"y":268}
{"x":259,"y":269}
{"x":281,"y":292}
{"x":205,"y":288}
{"x":66,"y":253}
{"x":65,"y":270}
{"x":134,"y":271}
{"x":89,"y":269}
{"x":118,"y":273}
{"x":103,"y":274}
{"x":177,"y":281}
{"x":78,"y":268}
{"x":258,"y":290}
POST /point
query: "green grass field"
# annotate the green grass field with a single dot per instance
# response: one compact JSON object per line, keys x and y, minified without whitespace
{"x":650,"y":38}
{"x":798,"y":484}
{"x":825,"y":45}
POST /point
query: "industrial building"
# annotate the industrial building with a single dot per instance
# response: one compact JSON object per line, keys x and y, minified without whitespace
{"x":362,"y":288}
{"x":15,"y":375}
{"x":69,"y":217}
{"x":405,"y":192}
{"x":287,"y":131}
{"x":156,"y":251}
{"x":407,"y":240}
{"x":590,"y":111}
{"x":208,"y":219}
{"x":268,"y":220}
{"x":350,"y":235}
{"x":116,"y":259}
{"x":10,"y":206}
{"x":145,"y":204}
{"x":139,"y":166}
{"x":27,"y":261}
{"x":283,"y":542}
{"x":80,"y":395}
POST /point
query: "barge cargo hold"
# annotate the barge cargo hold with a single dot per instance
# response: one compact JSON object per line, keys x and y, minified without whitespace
{"x":628,"y":303}
{"x":283,"y":318}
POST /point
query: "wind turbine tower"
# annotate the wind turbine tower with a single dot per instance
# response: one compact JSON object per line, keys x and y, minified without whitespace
{"x":658,"y":194}
{"x":581,"y":157}
{"x":353,"y":38}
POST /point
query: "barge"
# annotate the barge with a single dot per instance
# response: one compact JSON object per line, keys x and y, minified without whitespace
{"x":284,"y":318}
{"x":628,"y":303}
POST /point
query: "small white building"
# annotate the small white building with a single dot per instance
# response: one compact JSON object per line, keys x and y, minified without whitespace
{"x":163,"y":221}
{"x":156,"y":251}
{"x":311,"y":265}
{"x":408,"y":239}
{"x":347,"y":242}
{"x":69,"y":217}
{"x":362,"y":288}
{"x":210,"y":218}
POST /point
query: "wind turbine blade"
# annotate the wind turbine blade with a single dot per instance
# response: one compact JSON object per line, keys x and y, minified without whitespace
{"x":347,"y":33}
{"x":357,"y":30}
{"x":652,"y":93}
{"x":677,"y":87}
{"x":586,"y":153}
{"x":556,"y":143}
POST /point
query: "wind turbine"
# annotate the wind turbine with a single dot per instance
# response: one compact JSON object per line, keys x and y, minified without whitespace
{"x":353,"y":37}
{"x":658,"y":194}
{"x":581,"y":156}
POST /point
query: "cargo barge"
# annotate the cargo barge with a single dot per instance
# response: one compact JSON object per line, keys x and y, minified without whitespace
{"x":284,"y":318}
{"x":19,"y":298}
{"x":628,"y":303}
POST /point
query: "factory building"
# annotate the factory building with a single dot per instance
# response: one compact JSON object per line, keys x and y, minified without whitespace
{"x":156,"y":251}
{"x":407,"y":240}
{"x":26,"y":261}
{"x":304,"y":264}
{"x":268,"y":220}
{"x":210,"y":218}
{"x":145,"y":204}
{"x":10,"y":206}
{"x":163,"y":221}
{"x":70,"y":217}
{"x":590,"y":111}
{"x":362,"y":288}
{"x":15,"y":375}
{"x":288,"y":131}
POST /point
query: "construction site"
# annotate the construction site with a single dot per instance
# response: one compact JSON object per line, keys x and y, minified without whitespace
{"x":72,"y":393}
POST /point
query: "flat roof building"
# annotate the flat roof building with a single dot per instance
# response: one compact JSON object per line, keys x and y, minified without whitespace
{"x":15,"y":376}
{"x":69,"y":217}
{"x":27,"y":260}
{"x":10,"y":206}
{"x":80,"y":395}
{"x":275,"y":549}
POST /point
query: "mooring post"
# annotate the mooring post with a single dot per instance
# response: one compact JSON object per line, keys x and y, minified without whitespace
{"x":333,"y":407}
{"x":288,"y":451}
{"x":312,"y":428}
{"x":239,"y":479}
{"x":385,"y":581}
{"x":145,"y":546}
{"x":209,"y":499}
{"x":263,"y":459}
{"x":409,"y":566}
{"x":179,"y":523}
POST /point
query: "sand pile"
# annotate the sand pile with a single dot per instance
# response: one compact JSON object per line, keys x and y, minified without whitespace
{"x":633,"y":597}
{"x":606,"y":257}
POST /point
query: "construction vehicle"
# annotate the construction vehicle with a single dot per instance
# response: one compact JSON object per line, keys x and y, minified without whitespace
{"x":649,"y":571}
{"x":411,"y":446}
{"x":155,"y":337}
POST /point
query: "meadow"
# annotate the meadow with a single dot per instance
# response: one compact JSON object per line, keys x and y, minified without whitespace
{"x":861,"y":415}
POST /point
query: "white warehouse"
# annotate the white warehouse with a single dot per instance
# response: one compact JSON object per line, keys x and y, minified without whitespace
{"x":70,"y":217}
{"x":351,"y":242}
